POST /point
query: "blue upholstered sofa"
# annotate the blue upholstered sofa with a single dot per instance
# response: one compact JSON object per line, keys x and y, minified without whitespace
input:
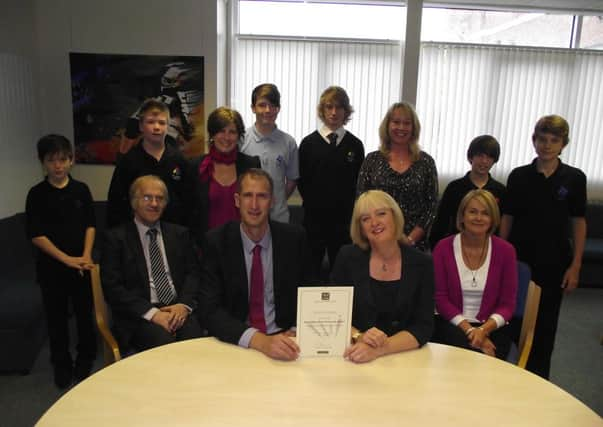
{"x":22,"y":322}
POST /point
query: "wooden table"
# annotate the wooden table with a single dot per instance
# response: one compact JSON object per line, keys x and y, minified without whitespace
{"x":204,"y":382}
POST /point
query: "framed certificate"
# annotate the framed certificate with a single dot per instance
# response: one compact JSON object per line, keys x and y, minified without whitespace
{"x":324,"y":320}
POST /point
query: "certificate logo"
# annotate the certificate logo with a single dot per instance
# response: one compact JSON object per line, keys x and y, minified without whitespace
{"x":325,"y":296}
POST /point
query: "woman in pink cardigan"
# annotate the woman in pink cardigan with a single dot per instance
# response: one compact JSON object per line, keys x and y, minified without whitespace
{"x":475,"y":280}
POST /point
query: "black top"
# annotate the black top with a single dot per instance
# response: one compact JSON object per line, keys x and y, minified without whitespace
{"x":385,"y":293}
{"x":541,"y":208}
{"x":60,"y":214}
{"x":200,"y":214}
{"x":415,"y":190}
{"x":172,"y":168}
{"x":445,"y":221}
{"x":413,"y":304}
{"x":327,"y":181}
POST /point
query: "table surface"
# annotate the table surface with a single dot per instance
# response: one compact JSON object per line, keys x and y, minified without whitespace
{"x":204,"y":382}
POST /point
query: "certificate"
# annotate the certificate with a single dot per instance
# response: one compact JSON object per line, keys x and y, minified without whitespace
{"x":324,"y":319}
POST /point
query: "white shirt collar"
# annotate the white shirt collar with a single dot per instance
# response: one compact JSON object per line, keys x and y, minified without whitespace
{"x":325,"y":131}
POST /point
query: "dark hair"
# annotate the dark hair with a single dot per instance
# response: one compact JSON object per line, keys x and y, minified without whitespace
{"x":484,"y":144}
{"x":153,"y":104}
{"x":54,"y":144}
{"x":339,"y":96}
{"x":255,"y":173}
{"x":222,"y":117}
{"x":268,"y":91}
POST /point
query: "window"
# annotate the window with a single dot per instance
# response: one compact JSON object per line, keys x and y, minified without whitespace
{"x":496,"y":27}
{"x":318,"y":45}
{"x":468,"y":89}
{"x":480,"y":72}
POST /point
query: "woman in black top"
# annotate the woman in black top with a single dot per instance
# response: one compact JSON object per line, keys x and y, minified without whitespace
{"x":393,"y":282}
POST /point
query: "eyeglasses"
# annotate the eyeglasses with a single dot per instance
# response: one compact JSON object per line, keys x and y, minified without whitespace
{"x":148,"y":198}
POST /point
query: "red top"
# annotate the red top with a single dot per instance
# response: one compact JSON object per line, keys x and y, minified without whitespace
{"x":222,"y":207}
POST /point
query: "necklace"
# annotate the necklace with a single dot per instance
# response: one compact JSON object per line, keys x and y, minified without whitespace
{"x":482,"y":257}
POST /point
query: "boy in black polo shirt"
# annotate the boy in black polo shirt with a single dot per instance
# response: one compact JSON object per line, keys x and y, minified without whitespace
{"x":483,"y":153}
{"x":152,"y":156}
{"x":543,"y":212}
{"x":60,"y":223}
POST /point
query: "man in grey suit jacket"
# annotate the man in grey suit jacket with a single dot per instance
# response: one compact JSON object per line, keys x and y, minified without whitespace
{"x":229,"y":255}
{"x":150,"y":273}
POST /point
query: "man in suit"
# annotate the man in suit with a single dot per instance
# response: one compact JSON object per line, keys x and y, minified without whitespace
{"x":150,"y":273}
{"x":251,"y":271}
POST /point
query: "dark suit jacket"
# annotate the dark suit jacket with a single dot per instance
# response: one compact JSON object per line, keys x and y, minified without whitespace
{"x":415,"y":300}
{"x":200,"y":215}
{"x":125,"y":277}
{"x":224,"y":296}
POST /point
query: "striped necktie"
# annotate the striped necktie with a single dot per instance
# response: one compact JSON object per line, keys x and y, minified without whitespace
{"x":165,"y":293}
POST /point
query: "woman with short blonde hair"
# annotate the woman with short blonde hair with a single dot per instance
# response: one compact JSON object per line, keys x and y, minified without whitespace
{"x":393,"y":282}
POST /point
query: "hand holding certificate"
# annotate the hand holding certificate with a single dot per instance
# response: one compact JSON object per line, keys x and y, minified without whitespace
{"x":324,"y":319}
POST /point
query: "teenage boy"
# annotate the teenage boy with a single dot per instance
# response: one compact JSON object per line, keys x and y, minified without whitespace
{"x":543,"y":210}
{"x":329,"y":161}
{"x":276,"y":149}
{"x":60,"y":223}
{"x":483,"y":153}
{"x":151,"y":156}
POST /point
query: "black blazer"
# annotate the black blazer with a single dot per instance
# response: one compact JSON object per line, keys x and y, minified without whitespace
{"x":224,"y":298}
{"x":125,"y":277}
{"x":415,"y":300}
{"x":200,"y":215}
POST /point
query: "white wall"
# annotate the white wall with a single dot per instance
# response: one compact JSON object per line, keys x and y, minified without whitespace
{"x":149,"y":27}
{"x":19,"y":120}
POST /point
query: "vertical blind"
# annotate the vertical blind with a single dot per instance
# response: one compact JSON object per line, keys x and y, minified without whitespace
{"x":463,"y":91}
{"x":468,"y":90}
{"x":302,"y":69}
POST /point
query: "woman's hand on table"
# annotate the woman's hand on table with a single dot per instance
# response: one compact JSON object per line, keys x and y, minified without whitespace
{"x":362,"y":352}
{"x":373,"y":337}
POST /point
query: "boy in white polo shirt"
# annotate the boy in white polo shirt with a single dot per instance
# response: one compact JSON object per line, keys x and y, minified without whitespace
{"x":276,"y":149}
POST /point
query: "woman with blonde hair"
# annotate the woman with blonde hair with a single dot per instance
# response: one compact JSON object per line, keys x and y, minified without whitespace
{"x":393,"y":282}
{"x":476,"y":280}
{"x":402,"y":170}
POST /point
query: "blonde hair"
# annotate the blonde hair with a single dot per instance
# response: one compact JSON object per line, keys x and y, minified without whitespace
{"x":386,"y":142}
{"x":338,"y":95}
{"x":374,"y":199}
{"x":485,"y":198}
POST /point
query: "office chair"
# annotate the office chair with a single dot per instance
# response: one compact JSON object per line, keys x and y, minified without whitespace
{"x":110,"y":346}
{"x":528,"y":300}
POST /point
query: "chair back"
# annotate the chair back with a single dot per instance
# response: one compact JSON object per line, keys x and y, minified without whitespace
{"x":110,"y":346}
{"x":523,"y":281}
{"x":528,"y":324}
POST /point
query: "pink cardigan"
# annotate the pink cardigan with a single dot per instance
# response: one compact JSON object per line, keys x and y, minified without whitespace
{"x":501,"y":285}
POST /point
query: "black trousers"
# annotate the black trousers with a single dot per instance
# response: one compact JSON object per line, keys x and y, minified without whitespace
{"x":59,"y":288}
{"x":149,"y":335}
{"x":321,"y":242}
{"x":446,"y":333}
{"x":549,"y":278}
